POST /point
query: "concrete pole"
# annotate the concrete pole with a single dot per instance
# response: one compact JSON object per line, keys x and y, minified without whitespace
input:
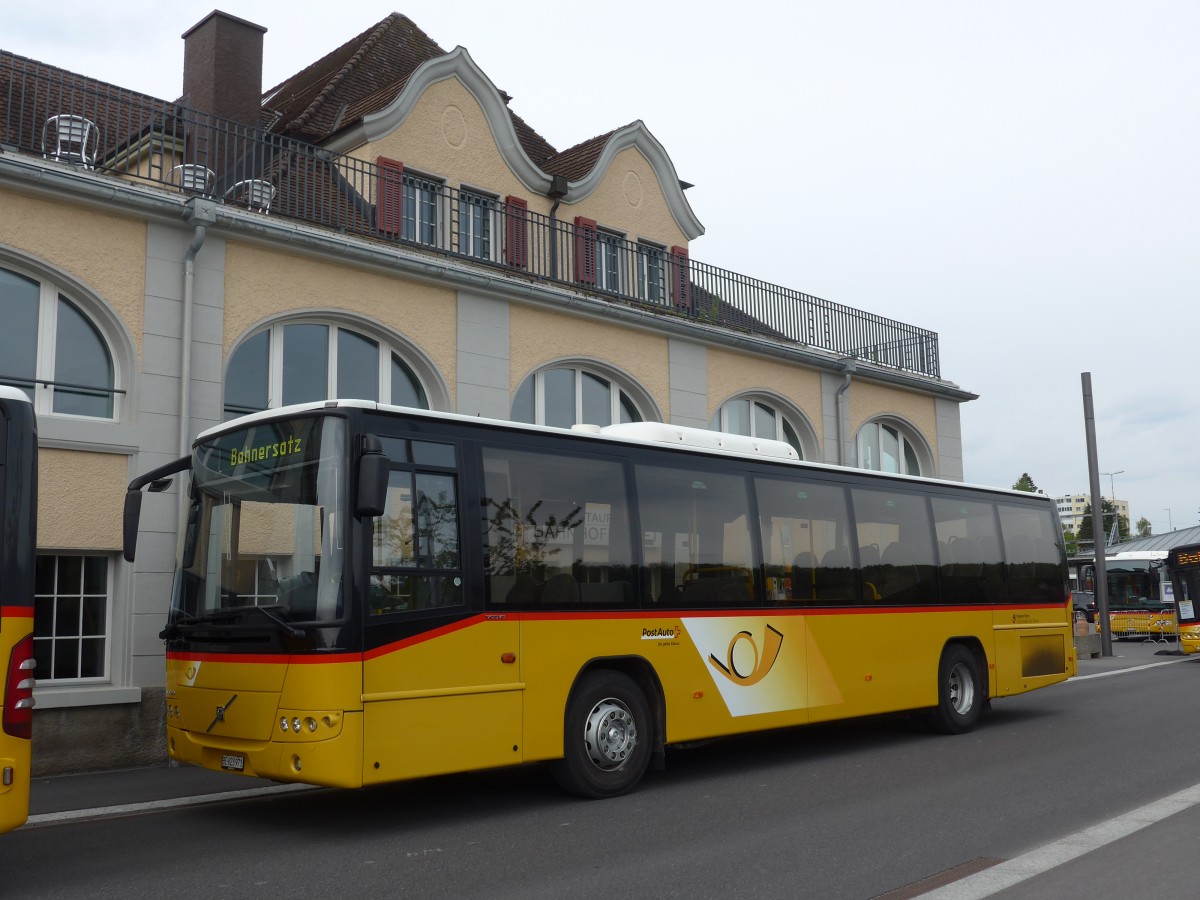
{"x":1101,"y":586}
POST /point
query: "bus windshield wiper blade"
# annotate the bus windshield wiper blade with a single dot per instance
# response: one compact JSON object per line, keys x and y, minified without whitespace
{"x":175,"y":627}
{"x":286,"y":627}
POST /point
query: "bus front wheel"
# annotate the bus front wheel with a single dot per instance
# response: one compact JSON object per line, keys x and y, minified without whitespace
{"x":961,"y":693}
{"x":608,"y":737}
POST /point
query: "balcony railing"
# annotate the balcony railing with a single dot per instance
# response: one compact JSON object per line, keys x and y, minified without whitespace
{"x":89,"y":124}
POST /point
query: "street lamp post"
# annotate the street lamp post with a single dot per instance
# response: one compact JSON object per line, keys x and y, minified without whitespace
{"x":1111,"y":487}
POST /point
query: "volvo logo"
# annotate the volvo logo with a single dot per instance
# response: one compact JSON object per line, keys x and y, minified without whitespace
{"x":220,"y":717}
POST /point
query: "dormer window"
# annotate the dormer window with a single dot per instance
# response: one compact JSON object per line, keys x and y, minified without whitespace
{"x":422,"y":198}
{"x":652,"y":272}
{"x":476,"y":215}
{"x":610,"y":249}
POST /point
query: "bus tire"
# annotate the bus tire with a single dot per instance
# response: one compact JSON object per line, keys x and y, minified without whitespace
{"x":961,"y":692}
{"x":608,"y":736}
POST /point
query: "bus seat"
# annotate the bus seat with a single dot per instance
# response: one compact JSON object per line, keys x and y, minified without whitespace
{"x":835,"y":580}
{"x":524,"y":591}
{"x":561,"y":590}
{"x":803,"y":575}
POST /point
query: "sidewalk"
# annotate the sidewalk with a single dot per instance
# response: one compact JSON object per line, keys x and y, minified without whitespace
{"x":99,"y":794}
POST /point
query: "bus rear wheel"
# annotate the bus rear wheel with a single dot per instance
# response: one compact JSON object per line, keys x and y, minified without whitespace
{"x":961,"y":693}
{"x":607,"y":739}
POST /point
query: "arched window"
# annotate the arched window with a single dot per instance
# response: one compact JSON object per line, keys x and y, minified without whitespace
{"x":299,"y":362}
{"x":886,"y":447}
{"x":52,"y":350}
{"x":563,"y":396}
{"x":757,"y":418}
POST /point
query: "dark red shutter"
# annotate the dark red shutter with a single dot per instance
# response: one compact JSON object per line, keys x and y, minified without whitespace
{"x":681,"y":277}
{"x":516,"y":230}
{"x":585,"y":250}
{"x":389,"y":196}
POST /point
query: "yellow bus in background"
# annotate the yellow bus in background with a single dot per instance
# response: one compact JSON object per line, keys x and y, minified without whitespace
{"x":1183,"y":571}
{"x":1139,"y":603}
{"x":370,"y":593}
{"x":18,"y":556}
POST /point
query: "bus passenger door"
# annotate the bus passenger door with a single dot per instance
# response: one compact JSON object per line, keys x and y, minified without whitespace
{"x":441,"y":681}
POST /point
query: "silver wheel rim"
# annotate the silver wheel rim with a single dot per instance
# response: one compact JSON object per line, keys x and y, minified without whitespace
{"x":609,"y":734}
{"x":962,"y":689}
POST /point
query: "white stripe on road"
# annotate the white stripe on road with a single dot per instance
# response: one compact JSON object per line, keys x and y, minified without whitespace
{"x":1153,"y":665}
{"x":1028,"y":865}
{"x":124,"y":809}
{"x":1044,"y":858}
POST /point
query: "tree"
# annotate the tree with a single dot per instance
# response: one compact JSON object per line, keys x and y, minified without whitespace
{"x":1106,"y":512}
{"x":1025,"y":483}
{"x":1071,"y":542}
{"x":1143,"y":527}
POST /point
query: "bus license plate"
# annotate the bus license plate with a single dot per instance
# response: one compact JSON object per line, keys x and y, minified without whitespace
{"x":233,"y":762}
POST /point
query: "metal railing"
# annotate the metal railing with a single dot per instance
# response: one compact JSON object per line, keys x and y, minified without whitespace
{"x":141,"y":138}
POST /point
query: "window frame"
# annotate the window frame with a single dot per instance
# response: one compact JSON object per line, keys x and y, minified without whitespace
{"x":783,"y":422}
{"x":619,"y":397}
{"x":471,"y":199}
{"x":51,"y":295}
{"x":908,"y":451}
{"x":611,"y":250}
{"x":427,"y":195}
{"x":652,"y":258}
{"x":387,"y":354}
{"x":54,"y":638}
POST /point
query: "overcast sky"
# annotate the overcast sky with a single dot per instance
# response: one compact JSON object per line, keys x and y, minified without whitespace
{"x":1019,"y":177}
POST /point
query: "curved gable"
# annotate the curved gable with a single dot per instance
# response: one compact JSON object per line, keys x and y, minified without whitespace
{"x":456,"y":64}
{"x":638,"y":136}
{"x":459,"y":64}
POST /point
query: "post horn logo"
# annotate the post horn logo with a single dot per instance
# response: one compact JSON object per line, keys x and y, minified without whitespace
{"x":772,"y":642}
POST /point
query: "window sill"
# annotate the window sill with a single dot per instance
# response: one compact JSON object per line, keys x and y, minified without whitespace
{"x":65,"y":696}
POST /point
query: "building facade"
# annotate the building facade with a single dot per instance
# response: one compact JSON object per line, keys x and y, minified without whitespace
{"x":1071,"y":510}
{"x":381,"y":226}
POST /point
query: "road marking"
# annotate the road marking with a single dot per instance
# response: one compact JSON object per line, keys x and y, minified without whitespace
{"x":1153,"y":665}
{"x":124,"y":809}
{"x":1050,"y":856}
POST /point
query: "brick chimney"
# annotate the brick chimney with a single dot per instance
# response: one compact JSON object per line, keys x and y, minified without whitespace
{"x":222,"y":67}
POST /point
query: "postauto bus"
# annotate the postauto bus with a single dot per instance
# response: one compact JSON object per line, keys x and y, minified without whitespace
{"x":368,"y":593}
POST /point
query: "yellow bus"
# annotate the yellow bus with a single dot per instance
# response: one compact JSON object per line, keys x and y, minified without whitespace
{"x":1139,"y":602}
{"x":1183,"y":574}
{"x":369,"y":593}
{"x":18,"y":555}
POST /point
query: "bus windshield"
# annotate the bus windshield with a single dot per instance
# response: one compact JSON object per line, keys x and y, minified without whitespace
{"x":1132,"y":583}
{"x":265,"y":527}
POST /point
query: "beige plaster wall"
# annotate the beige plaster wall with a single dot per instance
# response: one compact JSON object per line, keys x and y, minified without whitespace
{"x":539,"y":336}
{"x":80,"y":499}
{"x":629,"y":199}
{"x":105,"y":253}
{"x":869,"y":400}
{"x":261,"y":283}
{"x":447,"y":136}
{"x":731,"y":373}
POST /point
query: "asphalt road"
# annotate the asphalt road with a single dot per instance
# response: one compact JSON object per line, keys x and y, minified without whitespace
{"x":855,"y":810}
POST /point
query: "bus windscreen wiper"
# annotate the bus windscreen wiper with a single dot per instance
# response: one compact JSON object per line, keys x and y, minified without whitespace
{"x":177,"y":626}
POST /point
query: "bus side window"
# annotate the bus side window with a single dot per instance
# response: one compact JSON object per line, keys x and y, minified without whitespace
{"x":901,"y":525}
{"x":1036,"y":571}
{"x":804,"y":528}
{"x":705,"y":549}
{"x":556,"y":530}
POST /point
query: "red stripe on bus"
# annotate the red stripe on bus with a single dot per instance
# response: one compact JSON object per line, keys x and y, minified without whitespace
{"x":588,"y":615}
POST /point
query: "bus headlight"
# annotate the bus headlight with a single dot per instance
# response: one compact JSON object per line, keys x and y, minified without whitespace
{"x":309,"y":725}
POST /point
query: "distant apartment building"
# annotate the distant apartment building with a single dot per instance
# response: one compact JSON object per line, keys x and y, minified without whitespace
{"x":382,"y":226}
{"x":1072,"y":506}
